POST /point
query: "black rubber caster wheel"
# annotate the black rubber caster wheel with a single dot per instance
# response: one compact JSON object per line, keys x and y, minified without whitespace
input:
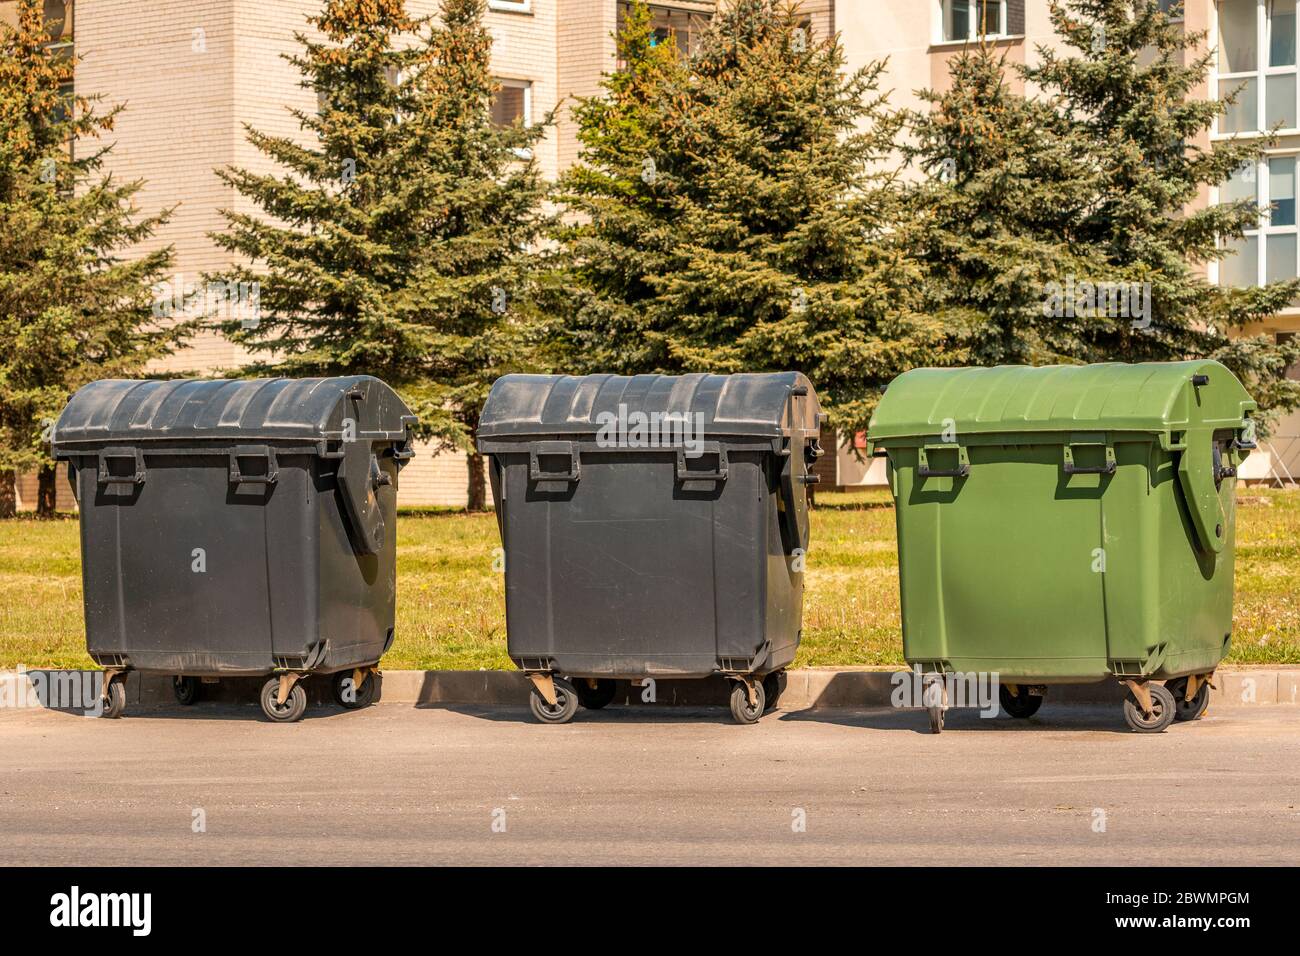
{"x":288,"y":712}
{"x":936,"y":719}
{"x":1188,"y":709}
{"x":188,"y":690}
{"x":741,"y":709}
{"x":354,"y":698}
{"x":594,"y":698}
{"x":1020,"y":705}
{"x":773,"y":687}
{"x":1162,"y":710}
{"x":115,"y":699}
{"x":935,"y":697}
{"x":562,"y":711}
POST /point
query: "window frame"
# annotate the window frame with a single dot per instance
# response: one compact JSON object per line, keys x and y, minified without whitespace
{"x":943,"y":11}
{"x":511,"y":6}
{"x":1219,"y":82}
{"x":515,"y":83}
{"x":526,"y":114}
{"x":1265,"y":228}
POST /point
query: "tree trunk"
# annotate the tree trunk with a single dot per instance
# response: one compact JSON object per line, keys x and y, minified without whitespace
{"x":46,"y":491}
{"x":476,"y":497}
{"x":8,"y":493}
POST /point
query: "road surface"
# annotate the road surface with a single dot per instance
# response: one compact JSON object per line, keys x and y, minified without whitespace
{"x":396,"y":784}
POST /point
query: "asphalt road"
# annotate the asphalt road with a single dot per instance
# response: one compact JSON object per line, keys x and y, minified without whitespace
{"x":399,"y":785}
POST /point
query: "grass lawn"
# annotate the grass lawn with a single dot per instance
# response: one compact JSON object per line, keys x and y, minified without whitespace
{"x":450,"y":612}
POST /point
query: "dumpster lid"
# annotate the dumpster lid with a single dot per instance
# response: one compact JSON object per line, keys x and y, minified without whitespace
{"x":119,"y":411}
{"x":749,"y":404}
{"x":1146,"y":397}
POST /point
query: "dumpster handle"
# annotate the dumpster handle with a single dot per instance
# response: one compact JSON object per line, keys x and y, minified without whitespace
{"x":550,"y":448}
{"x":685,"y":474}
{"x":253,"y":451}
{"x":130,"y":454}
{"x":925,"y":471}
{"x":1108,"y":468}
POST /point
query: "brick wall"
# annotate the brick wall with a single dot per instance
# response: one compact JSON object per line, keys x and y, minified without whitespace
{"x":585,"y":41}
{"x":170,"y":63}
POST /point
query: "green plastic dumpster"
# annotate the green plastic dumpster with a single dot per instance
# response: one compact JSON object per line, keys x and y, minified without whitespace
{"x":1068,"y":525}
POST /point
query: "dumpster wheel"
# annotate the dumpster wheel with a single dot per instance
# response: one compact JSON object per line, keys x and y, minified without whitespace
{"x":1018,"y":700}
{"x":356,"y":688}
{"x":748,"y":700}
{"x":935,"y":696}
{"x":595,"y":692}
{"x":187,"y":690}
{"x":562,"y":703}
{"x":773,"y":686}
{"x":1148,"y":708}
{"x":283,"y":698}
{"x":1191,"y":695}
{"x":114,"y":693}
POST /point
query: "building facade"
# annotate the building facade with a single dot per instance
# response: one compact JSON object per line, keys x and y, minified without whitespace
{"x":193,"y":73}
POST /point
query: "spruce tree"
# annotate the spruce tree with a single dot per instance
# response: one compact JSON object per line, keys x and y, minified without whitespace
{"x":1091,"y":182}
{"x":395,"y":234}
{"x":1001,"y":184}
{"x":734,"y":215}
{"x":1127,"y":90}
{"x":75,"y":300}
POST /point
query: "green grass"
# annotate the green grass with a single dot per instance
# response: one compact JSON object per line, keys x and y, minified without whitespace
{"x":450,"y":611}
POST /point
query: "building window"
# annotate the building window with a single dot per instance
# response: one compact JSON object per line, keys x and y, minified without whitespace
{"x":1256,"y":56}
{"x":965,"y":20}
{"x":672,"y":25}
{"x":58,"y":20}
{"x":511,"y":6}
{"x":512,"y":103}
{"x":1286,"y":338}
{"x":1269,"y":252}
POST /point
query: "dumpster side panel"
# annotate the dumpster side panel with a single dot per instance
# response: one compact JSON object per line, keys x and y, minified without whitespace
{"x":987,"y":559}
{"x":175,"y":590}
{"x":627,"y":573}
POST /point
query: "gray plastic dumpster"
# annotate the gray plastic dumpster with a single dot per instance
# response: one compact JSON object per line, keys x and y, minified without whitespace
{"x":653,"y":526}
{"x":238,"y":528}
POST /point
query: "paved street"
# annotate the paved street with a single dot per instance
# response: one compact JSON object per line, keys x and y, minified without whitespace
{"x":397,"y":784}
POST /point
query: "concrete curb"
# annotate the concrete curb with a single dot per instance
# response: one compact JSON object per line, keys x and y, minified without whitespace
{"x":806,"y":689}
